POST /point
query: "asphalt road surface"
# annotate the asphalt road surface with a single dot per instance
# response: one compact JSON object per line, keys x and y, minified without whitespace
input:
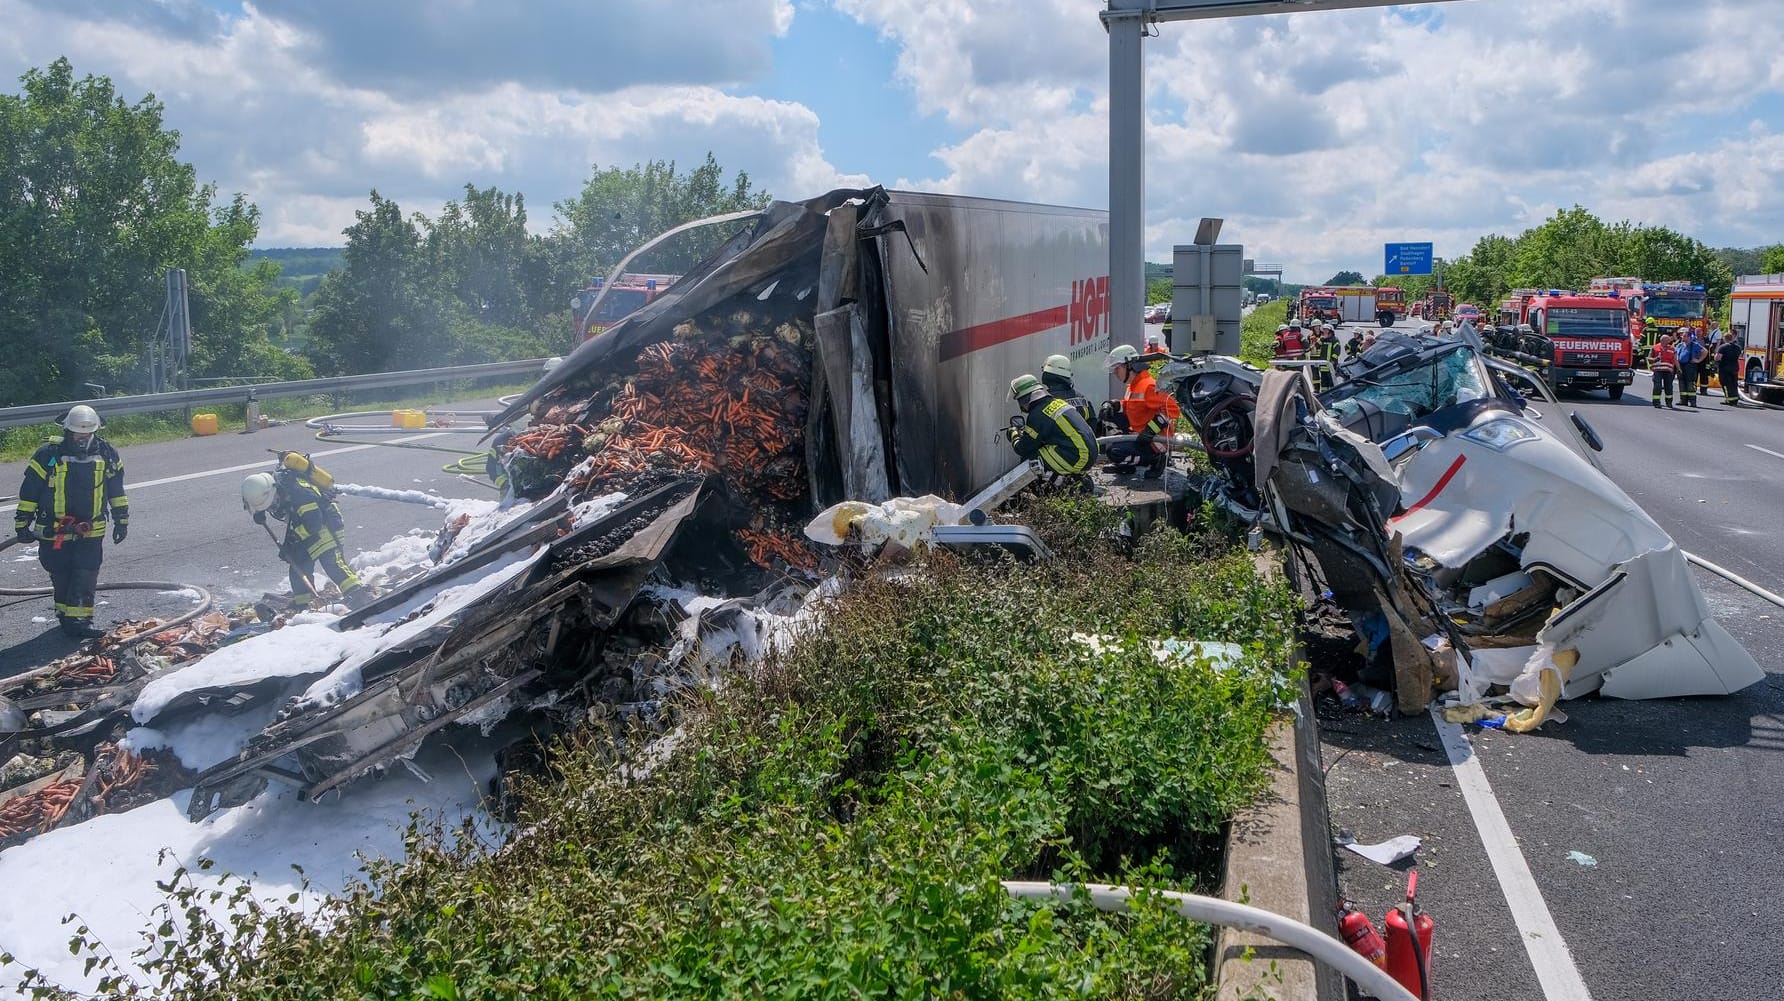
{"x":187,"y":524}
{"x":1651,"y":829}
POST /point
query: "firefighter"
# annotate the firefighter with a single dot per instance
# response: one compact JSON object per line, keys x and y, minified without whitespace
{"x":1056,"y":375}
{"x":1145,"y":410}
{"x":313,"y":532}
{"x":1052,"y":431}
{"x":1325,"y":349}
{"x":1728,"y":369}
{"x":73,"y":486}
{"x":1662,"y":364}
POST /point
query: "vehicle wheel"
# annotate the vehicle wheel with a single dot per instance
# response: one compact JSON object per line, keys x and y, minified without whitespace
{"x":1615,"y":391}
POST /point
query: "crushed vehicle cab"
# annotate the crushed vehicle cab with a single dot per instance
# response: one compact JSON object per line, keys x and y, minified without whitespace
{"x":1453,"y":495}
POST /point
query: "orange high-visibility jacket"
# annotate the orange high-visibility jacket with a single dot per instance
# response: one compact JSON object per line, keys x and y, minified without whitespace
{"x":1148,"y":409}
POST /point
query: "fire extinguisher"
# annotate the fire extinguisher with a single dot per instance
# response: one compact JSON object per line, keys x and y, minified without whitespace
{"x":1359,"y":933}
{"x":1409,"y":942}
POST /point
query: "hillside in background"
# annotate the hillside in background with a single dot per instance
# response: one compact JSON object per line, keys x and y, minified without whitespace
{"x":300,"y":268}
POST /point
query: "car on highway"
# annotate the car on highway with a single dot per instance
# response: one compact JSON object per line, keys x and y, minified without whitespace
{"x":1468,"y":312}
{"x":1158,"y":312}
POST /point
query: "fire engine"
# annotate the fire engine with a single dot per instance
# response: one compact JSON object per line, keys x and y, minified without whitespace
{"x":1391,"y":299}
{"x":627,"y":294}
{"x":1436,"y":305}
{"x":1656,"y":308}
{"x":1576,"y":340}
{"x":1319,"y":303}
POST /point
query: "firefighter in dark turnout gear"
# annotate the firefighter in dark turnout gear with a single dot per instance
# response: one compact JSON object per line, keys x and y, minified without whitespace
{"x":314,"y":531}
{"x":1056,"y":376}
{"x":1325,"y":348}
{"x":73,"y":488}
{"x":1053,"y":431}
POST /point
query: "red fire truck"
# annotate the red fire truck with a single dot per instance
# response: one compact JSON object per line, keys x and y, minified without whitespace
{"x":1319,"y":303}
{"x":1655,"y":308}
{"x":594,"y":312}
{"x":1391,"y":299}
{"x":1436,"y":305}
{"x":1576,"y":340}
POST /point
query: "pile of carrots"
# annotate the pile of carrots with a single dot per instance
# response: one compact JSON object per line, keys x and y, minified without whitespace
{"x":38,"y":812}
{"x":548,"y":441}
{"x":122,"y":771}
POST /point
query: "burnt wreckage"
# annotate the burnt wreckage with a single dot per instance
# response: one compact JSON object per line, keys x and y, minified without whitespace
{"x":1452,"y":501}
{"x":719,"y":418}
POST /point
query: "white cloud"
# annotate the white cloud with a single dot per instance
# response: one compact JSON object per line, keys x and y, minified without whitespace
{"x":305,"y":108}
{"x":1321,"y":136}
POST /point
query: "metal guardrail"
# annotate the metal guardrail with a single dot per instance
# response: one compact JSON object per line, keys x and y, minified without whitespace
{"x":43,"y":413}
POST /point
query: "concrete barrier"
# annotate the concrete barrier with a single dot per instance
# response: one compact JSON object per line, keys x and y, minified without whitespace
{"x":1279,"y":858}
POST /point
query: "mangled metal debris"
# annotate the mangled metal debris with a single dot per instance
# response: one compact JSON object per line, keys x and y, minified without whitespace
{"x":1453,"y":507}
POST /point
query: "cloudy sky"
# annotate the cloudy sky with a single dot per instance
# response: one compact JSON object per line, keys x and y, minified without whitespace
{"x":1317,"y":136}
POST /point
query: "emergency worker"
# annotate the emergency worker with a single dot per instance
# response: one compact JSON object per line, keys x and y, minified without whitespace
{"x":1155,"y":355}
{"x":314,"y":532}
{"x":1145,"y":410}
{"x":73,"y":486}
{"x":1690,"y":355}
{"x":1325,"y":349}
{"x":1056,"y":375}
{"x":1053,"y":431}
{"x":1662,"y":364}
{"x":1728,"y":369}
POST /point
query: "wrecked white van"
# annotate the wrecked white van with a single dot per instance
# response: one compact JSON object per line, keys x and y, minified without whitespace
{"x":1455,"y":495}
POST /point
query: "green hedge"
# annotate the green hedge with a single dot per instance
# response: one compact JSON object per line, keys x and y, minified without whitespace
{"x":835,"y":822}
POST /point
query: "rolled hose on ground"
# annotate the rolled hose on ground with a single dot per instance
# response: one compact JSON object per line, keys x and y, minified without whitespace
{"x":204,"y":605}
{"x":1209,"y":910}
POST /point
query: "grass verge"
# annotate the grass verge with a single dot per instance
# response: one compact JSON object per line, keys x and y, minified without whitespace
{"x":1257,"y":332}
{"x":833,"y":823}
{"x":17,"y":444}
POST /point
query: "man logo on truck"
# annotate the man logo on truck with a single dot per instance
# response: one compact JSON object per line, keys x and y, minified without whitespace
{"x":1090,"y":306}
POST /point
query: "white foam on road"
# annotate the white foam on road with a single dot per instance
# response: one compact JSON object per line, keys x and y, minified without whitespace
{"x":261,"y":465}
{"x":1549,"y":955}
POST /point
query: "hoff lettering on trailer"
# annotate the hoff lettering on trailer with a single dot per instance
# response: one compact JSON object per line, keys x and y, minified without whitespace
{"x":1090,"y":308}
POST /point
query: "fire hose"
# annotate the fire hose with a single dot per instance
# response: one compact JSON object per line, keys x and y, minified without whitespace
{"x":468,"y":465}
{"x":1331,"y":951}
{"x":203,"y":606}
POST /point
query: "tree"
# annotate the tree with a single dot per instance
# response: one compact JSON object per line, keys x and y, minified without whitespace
{"x":618,"y":210}
{"x":1346,"y":278}
{"x":383,"y":305}
{"x":1772,"y":260}
{"x":95,"y":206}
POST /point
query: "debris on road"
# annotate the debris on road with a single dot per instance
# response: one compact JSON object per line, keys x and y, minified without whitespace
{"x":1387,"y":852}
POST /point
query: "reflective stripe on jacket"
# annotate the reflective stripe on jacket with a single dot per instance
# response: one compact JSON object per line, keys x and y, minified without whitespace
{"x":1664,"y":359}
{"x":1148,"y":409}
{"x":77,"y":491}
{"x":1058,"y":435}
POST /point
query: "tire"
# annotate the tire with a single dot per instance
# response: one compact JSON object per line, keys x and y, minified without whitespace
{"x":1615,"y":391}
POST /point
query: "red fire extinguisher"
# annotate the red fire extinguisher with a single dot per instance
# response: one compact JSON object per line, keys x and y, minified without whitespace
{"x":1409,"y":942}
{"x":1359,"y":933}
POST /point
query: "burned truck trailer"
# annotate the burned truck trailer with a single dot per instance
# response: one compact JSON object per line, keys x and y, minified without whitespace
{"x":854,"y":346}
{"x":915,"y":309}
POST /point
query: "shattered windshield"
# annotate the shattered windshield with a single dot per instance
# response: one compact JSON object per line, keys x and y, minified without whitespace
{"x":1675,"y":309}
{"x":1455,"y":376}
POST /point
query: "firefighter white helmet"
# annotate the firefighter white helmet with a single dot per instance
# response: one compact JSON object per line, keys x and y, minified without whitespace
{"x":1122,"y":354}
{"x":1058,"y":365}
{"x":81,"y":419}
{"x":257,"y":492}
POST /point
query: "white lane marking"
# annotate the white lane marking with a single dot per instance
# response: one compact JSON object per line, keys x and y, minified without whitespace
{"x":1735,"y":578}
{"x":262,"y":464}
{"x":1756,"y":448}
{"x":1549,"y":955}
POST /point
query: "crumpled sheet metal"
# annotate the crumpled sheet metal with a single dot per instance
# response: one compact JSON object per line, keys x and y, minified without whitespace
{"x":1643,"y":630}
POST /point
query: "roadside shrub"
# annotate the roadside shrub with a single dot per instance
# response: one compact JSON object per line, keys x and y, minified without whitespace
{"x":835,"y":823}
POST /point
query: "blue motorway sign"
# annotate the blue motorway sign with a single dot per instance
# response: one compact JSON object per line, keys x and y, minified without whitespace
{"x":1408,"y":259}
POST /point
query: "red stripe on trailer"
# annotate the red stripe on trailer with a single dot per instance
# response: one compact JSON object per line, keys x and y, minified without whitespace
{"x":969,"y":339}
{"x":1443,"y":481}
